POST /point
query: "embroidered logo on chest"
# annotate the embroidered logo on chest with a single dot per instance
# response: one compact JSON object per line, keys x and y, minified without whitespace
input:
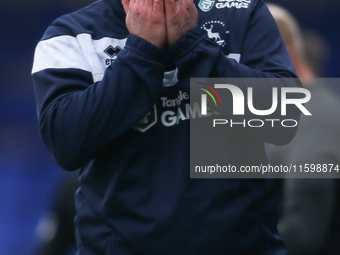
{"x":112,"y":52}
{"x":238,"y":4}
{"x":216,"y":31}
{"x":206,"y":5}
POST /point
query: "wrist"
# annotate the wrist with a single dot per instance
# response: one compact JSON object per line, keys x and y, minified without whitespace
{"x":144,"y":47}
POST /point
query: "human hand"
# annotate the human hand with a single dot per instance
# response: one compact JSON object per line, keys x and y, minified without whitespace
{"x":146,"y":19}
{"x":181,"y":16}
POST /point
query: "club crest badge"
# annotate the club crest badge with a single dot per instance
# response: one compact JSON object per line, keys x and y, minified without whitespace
{"x":206,"y":5}
{"x":216,"y":30}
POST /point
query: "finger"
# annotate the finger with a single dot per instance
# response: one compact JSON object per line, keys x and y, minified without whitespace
{"x":170,"y":6}
{"x":148,"y":4}
{"x":135,"y":2}
{"x":158,"y":6}
{"x":126,"y":5}
{"x":136,"y":6}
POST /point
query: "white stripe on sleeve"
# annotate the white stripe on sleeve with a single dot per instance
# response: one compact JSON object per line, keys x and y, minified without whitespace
{"x":59,"y":52}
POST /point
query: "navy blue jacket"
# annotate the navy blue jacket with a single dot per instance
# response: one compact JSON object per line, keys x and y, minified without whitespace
{"x":108,"y":104}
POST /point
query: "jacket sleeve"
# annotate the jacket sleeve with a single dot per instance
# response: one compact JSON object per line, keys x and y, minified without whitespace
{"x":264,"y":55}
{"x":77,"y":116}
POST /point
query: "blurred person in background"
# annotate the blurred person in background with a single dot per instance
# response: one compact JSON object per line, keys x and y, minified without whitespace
{"x":310,"y":221}
{"x":55,"y":231}
{"x":28,"y":175}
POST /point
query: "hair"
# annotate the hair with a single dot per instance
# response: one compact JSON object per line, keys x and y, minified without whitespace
{"x":316,"y":51}
{"x":289,"y":28}
{"x":309,"y":46}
